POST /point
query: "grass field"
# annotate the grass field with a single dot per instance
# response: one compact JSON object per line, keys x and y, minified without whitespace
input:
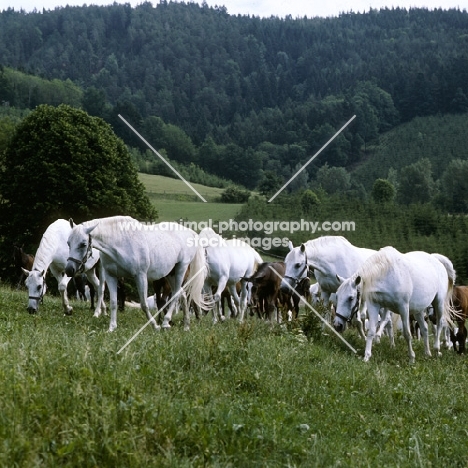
{"x":224,"y":395}
{"x":169,"y":186}
{"x":174,"y":200}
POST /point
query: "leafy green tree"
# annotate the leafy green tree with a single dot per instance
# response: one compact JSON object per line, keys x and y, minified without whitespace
{"x":62,"y":163}
{"x":383,"y":191}
{"x":416,"y":184}
{"x":94,"y":101}
{"x":7,"y":127}
{"x":454,"y":181}
{"x":270,"y":184}
{"x":300,"y":181}
{"x":308,"y":201}
{"x":333,"y":179}
{"x":460,"y":101}
{"x":234,"y":195}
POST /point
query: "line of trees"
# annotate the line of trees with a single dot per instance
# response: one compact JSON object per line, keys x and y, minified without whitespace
{"x":244,"y":90}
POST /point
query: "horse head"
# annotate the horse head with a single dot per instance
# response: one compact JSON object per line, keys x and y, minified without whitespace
{"x":80,"y":248}
{"x":296,"y":267}
{"x":35,"y":282}
{"x":348,"y":299}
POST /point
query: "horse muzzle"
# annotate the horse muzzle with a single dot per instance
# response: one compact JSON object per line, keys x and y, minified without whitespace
{"x":31,"y":310}
{"x":70,"y":270}
{"x":339,"y":326}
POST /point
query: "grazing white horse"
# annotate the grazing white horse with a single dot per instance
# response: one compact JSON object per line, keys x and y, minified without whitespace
{"x":229,"y":262}
{"x":52,"y":253}
{"x":131,"y":249}
{"x":327,"y":256}
{"x":404,"y":283}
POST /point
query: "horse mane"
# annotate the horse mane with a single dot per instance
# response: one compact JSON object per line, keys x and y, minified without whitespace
{"x":377,"y":265}
{"x":47,"y":246}
{"x":315,"y":246}
{"x":111,"y":225}
{"x":209,"y":233}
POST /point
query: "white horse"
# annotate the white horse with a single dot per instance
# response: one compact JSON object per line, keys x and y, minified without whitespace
{"x":229,"y":262}
{"x":52,"y":253}
{"x":145,"y":253}
{"x":327,"y":256}
{"x":404,"y":283}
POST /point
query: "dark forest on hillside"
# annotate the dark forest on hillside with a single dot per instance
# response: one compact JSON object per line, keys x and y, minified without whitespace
{"x":242,"y":96}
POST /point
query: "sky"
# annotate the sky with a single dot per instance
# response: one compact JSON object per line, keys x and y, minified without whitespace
{"x":262,"y":8}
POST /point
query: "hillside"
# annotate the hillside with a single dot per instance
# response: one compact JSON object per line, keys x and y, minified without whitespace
{"x":440,"y":139}
{"x":241,"y":96}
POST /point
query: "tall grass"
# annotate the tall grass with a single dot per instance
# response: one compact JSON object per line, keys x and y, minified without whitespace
{"x":224,"y":395}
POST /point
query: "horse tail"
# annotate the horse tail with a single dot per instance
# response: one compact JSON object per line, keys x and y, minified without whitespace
{"x":258,"y":259}
{"x":196,"y":280}
{"x":450,"y":313}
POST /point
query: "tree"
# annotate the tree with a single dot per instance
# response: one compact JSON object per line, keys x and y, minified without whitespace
{"x":333,"y":179}
{"x":454,"y":187}
{"x":94,"y":101}
{"x":308,"y":201}
{"x":416,"y":184}
{"x":62,"y":163}
{"x":270,"y":184}
{"x":235,"y":195}
{"x":383,"y":191}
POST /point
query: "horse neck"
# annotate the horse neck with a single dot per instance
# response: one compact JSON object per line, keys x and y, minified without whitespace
{"x":107,"y":230}
{"x":343,"y":258}
{"x":43,"y":257}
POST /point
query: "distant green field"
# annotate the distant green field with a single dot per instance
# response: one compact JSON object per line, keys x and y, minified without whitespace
{"x":173,"y":210}
{"x":175,"y":200}
{"x":168,"y":186}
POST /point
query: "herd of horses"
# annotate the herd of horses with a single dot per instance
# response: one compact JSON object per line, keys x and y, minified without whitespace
{"x":200,"y":271}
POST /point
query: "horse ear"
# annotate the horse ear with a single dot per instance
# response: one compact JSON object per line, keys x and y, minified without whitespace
{"x":26,"y":272}
{"x":339,"y":279}
{"x":90,"y":229}
{"x":302,"y":248}
{"x":42,"y":273}
{"x":357,"y":281}
{"x":290,"y":245}
{"x":72,"y":223}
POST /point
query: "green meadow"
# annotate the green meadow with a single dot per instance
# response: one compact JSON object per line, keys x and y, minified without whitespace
{"x":224,"y":395}
{"x":174,"y":200}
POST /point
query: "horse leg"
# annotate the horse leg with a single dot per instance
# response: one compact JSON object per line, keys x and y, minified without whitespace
{"x":423,"y":329}
{"x":96,"y":285}
{"x":462,"y":333}
{"x":386,"y":324}
{"x":142,"y":287}
{"x":242,"y":299}
{"x":405,"y":322}
{"x":174,"y":302}
{"x":112,"y":286}
{"x":373,"y":314}
{"x":389,"y":328}
{"x":63,"y":280}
